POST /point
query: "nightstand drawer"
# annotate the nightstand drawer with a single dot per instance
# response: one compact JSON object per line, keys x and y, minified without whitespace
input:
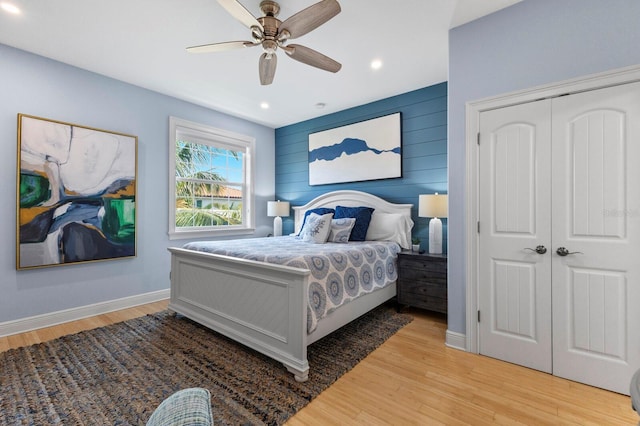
{"x":414,"y":274}
{"x":422,"y":261}
{"x":424,"y":289}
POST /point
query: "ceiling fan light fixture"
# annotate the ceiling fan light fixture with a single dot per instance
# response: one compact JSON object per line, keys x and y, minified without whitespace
{"x":267,"y":68}
{"x":269,"y":47}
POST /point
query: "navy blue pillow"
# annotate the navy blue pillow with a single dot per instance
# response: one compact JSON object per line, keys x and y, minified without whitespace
{"x":319,"y":210}
{"x":362,"y":216}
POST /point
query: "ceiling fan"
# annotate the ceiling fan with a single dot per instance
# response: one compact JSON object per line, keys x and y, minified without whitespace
{"x":271,"y":33}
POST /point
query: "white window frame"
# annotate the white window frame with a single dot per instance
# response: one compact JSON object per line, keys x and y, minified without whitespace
{"x":225,"y":139}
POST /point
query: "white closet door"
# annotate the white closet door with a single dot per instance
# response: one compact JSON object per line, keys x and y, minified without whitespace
{"x":515,"y":210}
{"x":596,"y":212}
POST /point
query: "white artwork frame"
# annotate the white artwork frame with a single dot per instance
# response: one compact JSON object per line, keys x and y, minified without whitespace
{"x":363,"y":151}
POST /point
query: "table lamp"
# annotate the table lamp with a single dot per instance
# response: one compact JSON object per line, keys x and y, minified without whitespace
{"x":276,"y":209}
{"x":434,"y":206}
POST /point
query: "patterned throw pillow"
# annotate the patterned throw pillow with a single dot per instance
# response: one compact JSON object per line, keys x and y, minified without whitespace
{"x":341,"y":230}
{"x":316,"y":228}
{"x":319,"y":210}
{"x":362,"y":216}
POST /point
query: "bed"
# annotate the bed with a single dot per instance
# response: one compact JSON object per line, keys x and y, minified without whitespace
{"x":265,"y":305}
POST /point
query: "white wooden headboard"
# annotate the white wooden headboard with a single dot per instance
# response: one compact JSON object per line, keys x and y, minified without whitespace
{"x":349,"y":198}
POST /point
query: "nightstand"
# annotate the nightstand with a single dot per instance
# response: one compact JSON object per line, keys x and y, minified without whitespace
{"x":422,"y":281}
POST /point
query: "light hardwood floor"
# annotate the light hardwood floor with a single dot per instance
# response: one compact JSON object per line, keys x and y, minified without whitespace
{"x":413,"y":378}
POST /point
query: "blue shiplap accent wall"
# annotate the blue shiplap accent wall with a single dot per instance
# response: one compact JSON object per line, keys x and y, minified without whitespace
{"x":424,"y":153}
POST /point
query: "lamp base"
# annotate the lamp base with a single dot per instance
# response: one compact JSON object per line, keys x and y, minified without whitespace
{"x":435,"y":236}
{"x":277,"y":226}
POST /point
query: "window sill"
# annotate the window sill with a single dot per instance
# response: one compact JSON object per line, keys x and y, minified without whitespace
{"x":186,"y":235}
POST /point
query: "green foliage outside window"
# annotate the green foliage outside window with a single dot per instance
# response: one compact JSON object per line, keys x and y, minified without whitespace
{"x":205,"y":194}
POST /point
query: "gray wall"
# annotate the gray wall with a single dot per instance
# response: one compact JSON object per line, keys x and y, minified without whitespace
{"x":38,"y":86}
{"x":532,"y":43}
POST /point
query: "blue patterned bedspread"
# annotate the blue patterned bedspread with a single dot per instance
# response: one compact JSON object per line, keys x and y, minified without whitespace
{"x":339,"y":272}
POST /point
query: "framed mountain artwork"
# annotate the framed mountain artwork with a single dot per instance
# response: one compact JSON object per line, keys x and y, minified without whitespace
{"x":76,"y":194}
{"x":368,"y":150}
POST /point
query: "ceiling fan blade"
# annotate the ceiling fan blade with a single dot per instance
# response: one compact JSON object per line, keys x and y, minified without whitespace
{"x":239,"y":12}
{"x":310,"y":18}
{"x":311,"y":57}
{"x":267,"y":68}
{"x":220,"y":47}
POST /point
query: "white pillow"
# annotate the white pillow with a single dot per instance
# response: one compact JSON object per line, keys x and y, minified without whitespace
{"x":341,"y":230}
{"x":316,"y":228}
{"x":390,"y":227}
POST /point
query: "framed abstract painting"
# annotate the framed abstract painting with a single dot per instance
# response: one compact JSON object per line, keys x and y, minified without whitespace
{"x":76,"y":194}
{"x":368,"y":150}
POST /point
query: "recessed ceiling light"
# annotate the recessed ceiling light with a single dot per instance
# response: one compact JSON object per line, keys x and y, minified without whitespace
{"x":11,"y":8}
{"x":320,"y":105}
{"x":376,"y":64}
{"x":264,"y":105}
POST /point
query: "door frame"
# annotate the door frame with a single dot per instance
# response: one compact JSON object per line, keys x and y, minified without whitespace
{"x":473,"y":109}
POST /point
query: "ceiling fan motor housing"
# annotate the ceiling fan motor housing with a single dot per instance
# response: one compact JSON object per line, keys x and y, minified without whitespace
{"x":270,"y":25}
{"x":270,"y":39}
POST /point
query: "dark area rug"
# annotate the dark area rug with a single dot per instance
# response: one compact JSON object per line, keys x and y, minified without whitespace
{"x":117,"y":375}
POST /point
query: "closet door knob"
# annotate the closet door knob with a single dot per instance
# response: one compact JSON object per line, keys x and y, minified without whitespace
{"x":563,"y":252}
{"x":538,"y":249}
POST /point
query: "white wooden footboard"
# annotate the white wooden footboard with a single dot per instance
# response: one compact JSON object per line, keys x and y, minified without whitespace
{"x":261,"y":305}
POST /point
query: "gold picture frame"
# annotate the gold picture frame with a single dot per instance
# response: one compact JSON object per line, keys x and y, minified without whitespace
{"x":76,"y":191}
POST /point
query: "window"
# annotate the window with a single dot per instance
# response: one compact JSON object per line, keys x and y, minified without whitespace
{"x":211,"y":189}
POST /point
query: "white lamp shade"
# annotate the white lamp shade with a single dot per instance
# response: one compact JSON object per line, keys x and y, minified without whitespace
{"x":278,"y":208}
{"x":433,"y":205}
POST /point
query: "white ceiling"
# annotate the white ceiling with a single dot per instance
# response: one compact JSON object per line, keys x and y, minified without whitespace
{"x":143,"y":42}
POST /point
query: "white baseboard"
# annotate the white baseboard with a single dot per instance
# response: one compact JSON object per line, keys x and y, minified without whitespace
{"x":47,"y":320}
{"x":456,"y":340}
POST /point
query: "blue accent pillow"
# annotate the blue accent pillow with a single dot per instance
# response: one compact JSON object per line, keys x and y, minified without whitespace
{"x":319,"y":211}
{"x":362,"y":216}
